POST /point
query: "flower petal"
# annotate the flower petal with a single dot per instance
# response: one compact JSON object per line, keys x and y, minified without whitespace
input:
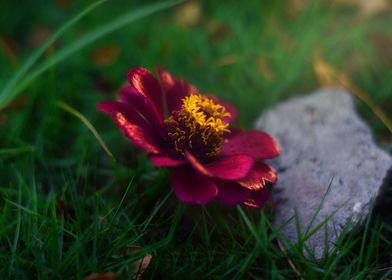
{"x":144,"y":82}
{"x":192,"y":187}
{"x":165,"y":161}
{"x":174,"y":89}
{"x":257,"y":199}
{"x":132,"y":124}
{"x":229,"y":167}
{"x":256,"y":178}
{"x":254,"y":143}
{"x":142,"y":104}
{"x":230,"y":192}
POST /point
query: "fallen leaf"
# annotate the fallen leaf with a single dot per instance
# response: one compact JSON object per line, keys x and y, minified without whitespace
{"x":228,"y":59}
{"x":382,"y":42}
{"x":264,"y":68}
{"x":328,"y":76}
{"x":105,"y":55}
{"x":294,"y":7}
{"x":8,"y":48}
{"x":140,"y":265}
{"x":366,"y":8}
{"x":102,"y":276}
{"x":188,"y":14}
{"x":218,"y":31}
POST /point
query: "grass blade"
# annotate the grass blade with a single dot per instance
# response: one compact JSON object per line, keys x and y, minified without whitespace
{"x":7,"y":93}
{"x":12,"y":91}
{"x":87,"y":123}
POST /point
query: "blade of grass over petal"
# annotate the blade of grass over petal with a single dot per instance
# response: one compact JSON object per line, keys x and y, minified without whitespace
{"x":5,"y":95}
{"x":81,"y":43}
{"x":87,"y":123}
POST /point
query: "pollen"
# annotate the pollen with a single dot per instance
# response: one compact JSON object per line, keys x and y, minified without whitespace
{"x":197,"y":127}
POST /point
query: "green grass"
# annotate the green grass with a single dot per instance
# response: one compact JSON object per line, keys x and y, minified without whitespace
{"x":48,"y":155}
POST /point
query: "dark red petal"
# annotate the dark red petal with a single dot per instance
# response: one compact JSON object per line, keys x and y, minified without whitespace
{"x":192,"y":187}
{"x":228,"y":167}
{"x":144,"y":82}
{"x":231,"y":193}
{"x":257,"y":198}
{"x":256,"y":178}
{"x":132,"y":125}
{"x":166,"y":79}
{"x":254,"y":143}
{"x":175,"y":90}
{"x":234,"y":131}
{"x":165,"y":161}
{"x":140,"y":103}
{"x":229,"y":108}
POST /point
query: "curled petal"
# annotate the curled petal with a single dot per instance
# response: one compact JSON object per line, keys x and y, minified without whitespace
{"x":141,"y":104}
{"x":254,"y":143}
{"x":256,"y":178}
{"x":257,"y":199}
{"x":175,"y":90}
{"x":229,"y":167}
{"x":166,"y":79}
{"x":132,"y":125}
{"x":192,"y":187}
{"x":165,"y":161}
{"x":230,"y":192}
{"x":145,"y":83}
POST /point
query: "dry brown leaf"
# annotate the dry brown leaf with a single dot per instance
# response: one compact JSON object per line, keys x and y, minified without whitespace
{"x":105,"y":55}
{"x":103,"y":276}
{"x":328,"y":76}
{"x":382,"y":42}
{"x":140,"y":265}
{"x":8,"y":49}
{"x":228,"y":59}
{"x":325,"y":73}
{"x":189,"y":14}
{"x":264,"y":68}
{"x":218,"y":31}
{"x":367,"y":8}
{"x":294,"y":7}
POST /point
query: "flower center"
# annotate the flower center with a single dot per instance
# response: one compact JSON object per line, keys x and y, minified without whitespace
{"x":197,"y":127}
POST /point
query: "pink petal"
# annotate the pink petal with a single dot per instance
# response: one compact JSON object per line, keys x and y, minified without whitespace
{"x":231,"y":193}
{"x":254,"y":143}
{"x":257,"y":199}
{"x":192,"y":187}
{"x":228,"y":167}
{"x":132,"y":125}
{"x":142,"y":104}
{"x":165,"y":161}
{"x":144,"y":82}
{"x":166,"y":79}
{"x":256,"y":178}
{"x":175,"y":90}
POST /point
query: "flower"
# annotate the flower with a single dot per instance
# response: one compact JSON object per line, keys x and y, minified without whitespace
{"x":191,"y":133}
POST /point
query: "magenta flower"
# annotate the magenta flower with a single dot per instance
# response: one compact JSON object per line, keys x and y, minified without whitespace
{"x":190,"y":132}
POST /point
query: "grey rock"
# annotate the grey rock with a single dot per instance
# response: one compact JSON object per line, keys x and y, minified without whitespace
{"x":324,"y":144}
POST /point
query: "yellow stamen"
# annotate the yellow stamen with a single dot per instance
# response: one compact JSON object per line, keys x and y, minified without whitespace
{"x":198,"y":126}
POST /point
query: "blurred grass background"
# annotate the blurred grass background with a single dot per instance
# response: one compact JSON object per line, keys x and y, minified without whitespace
{"x":252,"y":53}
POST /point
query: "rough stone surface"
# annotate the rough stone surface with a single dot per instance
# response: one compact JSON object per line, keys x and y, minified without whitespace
{"x":324,"y":142}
